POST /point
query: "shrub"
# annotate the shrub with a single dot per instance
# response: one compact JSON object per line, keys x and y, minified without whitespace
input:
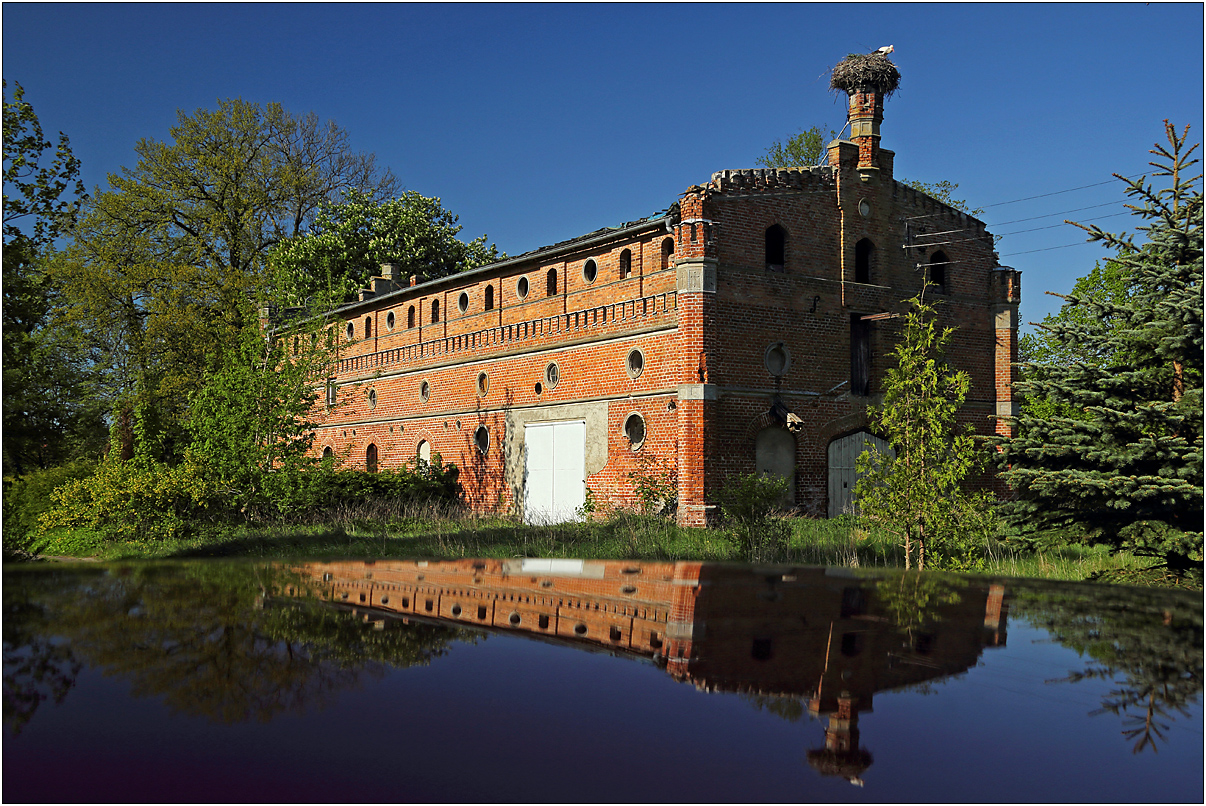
{"x":656,"y":489}
{"x":750,"y":504}
{"x":314,"y":492}
{"x":136,"y":500}
{"x":26,"y":498}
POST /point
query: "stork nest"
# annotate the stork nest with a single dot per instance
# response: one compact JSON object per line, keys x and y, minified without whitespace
{"x":847,"y":765}
{"x":870,"y":71}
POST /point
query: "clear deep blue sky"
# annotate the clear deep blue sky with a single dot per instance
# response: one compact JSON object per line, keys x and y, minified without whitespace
{"x":537,"y":123}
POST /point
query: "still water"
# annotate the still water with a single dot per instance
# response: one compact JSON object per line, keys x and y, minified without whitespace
{"x":564,"y":680}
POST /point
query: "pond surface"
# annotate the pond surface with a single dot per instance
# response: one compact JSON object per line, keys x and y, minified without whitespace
{"x":563,"y":680}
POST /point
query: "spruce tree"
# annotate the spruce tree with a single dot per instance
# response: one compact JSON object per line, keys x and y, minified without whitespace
{"x":1120,"y":457}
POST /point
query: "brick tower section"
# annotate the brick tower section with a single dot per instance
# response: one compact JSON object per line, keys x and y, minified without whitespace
{"x":695,"y":267}
{"x":1005,"y":294}
{"x":866,"y":114}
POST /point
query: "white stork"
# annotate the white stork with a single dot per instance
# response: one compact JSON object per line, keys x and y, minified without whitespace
{"x":885,"y":50}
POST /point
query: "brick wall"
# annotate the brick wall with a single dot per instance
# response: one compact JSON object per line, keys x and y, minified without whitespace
{"x":702,"y":318}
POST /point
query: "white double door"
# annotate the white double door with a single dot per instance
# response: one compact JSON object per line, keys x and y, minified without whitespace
{"x":554,"y":471}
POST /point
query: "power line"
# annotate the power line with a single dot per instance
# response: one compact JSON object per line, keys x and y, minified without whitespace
{"x":1060,"y":212}
{"x":1048,"y":249}
{"x":1061,"y":224}
{"x":1057,"y":192}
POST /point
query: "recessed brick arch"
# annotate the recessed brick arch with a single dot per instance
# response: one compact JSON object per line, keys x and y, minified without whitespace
{"x":841,"y":426}
{"x":764,"y":420}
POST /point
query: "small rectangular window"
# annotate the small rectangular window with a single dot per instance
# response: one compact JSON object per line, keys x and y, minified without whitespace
{"x":332,"y":391}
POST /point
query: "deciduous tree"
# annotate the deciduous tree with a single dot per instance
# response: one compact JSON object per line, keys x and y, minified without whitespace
{"x":348,"y":242}
{"x":164,"y":262}
{"x":916,"y":491}
{"x":46,"y":414}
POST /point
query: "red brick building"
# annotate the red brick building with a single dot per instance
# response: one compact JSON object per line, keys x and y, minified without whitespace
{"x":744,"y":330}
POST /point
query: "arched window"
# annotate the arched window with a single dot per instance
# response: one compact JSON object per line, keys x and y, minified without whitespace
{"x":776,"y":248}
{"x":328,"y":453}
{"x":864,"y":259}
{"x":489,"y":298}
{"x":936,"y":271}
{"x":667,"y":251}
{"x":435,"y":311}
{"x":551,"y":283}
{"x":424,"y":451}
{"x":370,"y":458}
{"x":625,"y":264}
{"x":368,"y":327}
{"x":410,"y":316}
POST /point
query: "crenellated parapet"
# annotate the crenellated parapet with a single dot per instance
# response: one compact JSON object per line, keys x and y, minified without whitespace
{"x":755,"y":180}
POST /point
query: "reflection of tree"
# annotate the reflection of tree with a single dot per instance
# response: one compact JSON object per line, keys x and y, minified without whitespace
{"x":790,"y":709}
{"x":1149,"y":643}
{"x":36,"y":666}
{"x":910,"y":600}
{"x":200,"y":637}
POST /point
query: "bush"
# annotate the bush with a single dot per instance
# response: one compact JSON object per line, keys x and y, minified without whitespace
{"x":316,"y":492}
{"x":750,"y":504}
{"x":26,"y":498}
{"x":133,"y":501}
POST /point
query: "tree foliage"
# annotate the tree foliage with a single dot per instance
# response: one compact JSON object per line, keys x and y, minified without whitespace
{"x":209,"y":639}
{"x":944,"y":191}
{"x":47,"y":418}
{"x":252,"y":414}
{"x":803,"y":149}
{"x":163,"y":263}
{"x":916,"y":491}
{"x":1121,"y":457}
{"x":809,"y":147}
{"x":350,"y":240}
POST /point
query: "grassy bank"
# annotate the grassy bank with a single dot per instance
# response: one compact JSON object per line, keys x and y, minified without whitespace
{"x":623,"y":536}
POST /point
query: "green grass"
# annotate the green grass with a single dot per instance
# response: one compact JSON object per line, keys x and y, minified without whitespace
{"x":623,"y":536}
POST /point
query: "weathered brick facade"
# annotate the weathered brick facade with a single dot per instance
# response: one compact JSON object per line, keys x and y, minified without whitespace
{"x":746,"y":302}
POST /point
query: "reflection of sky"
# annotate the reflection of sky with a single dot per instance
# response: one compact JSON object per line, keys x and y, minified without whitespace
{"x":514,"y":719}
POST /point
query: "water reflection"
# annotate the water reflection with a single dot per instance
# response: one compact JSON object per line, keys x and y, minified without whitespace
{"x":197,"y":635}
{"x":236,"y":642}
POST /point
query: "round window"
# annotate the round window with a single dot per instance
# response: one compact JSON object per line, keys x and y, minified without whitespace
{"x":777,"y":359}
{"x":552,"y":375}
{"x":590,"y":271}
{"x":389,"y":320}
{"x":636,"y":363}
{"x":483,"y":383}
{"x":481,"y":438}
{"x":351,"y":331}
{"x":372,"y":398}
{"x":864,"y":208}
{"x":462,"y":302}
{"x":521,"y":287}
{"x":424,"y":391}
{"x":634,"y":429}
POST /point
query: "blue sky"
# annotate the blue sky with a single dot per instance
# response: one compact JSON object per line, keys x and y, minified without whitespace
{"x":537,"y":123}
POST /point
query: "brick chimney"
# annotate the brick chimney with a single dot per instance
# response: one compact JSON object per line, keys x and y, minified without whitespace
{"x":866,"y":113}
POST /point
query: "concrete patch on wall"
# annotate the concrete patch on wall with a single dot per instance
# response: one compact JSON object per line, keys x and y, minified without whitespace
{"x":595,"y":416}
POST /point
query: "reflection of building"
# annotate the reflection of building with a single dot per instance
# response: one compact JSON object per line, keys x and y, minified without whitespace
{"x":821,"y":635}
{"x":741,"y":331}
